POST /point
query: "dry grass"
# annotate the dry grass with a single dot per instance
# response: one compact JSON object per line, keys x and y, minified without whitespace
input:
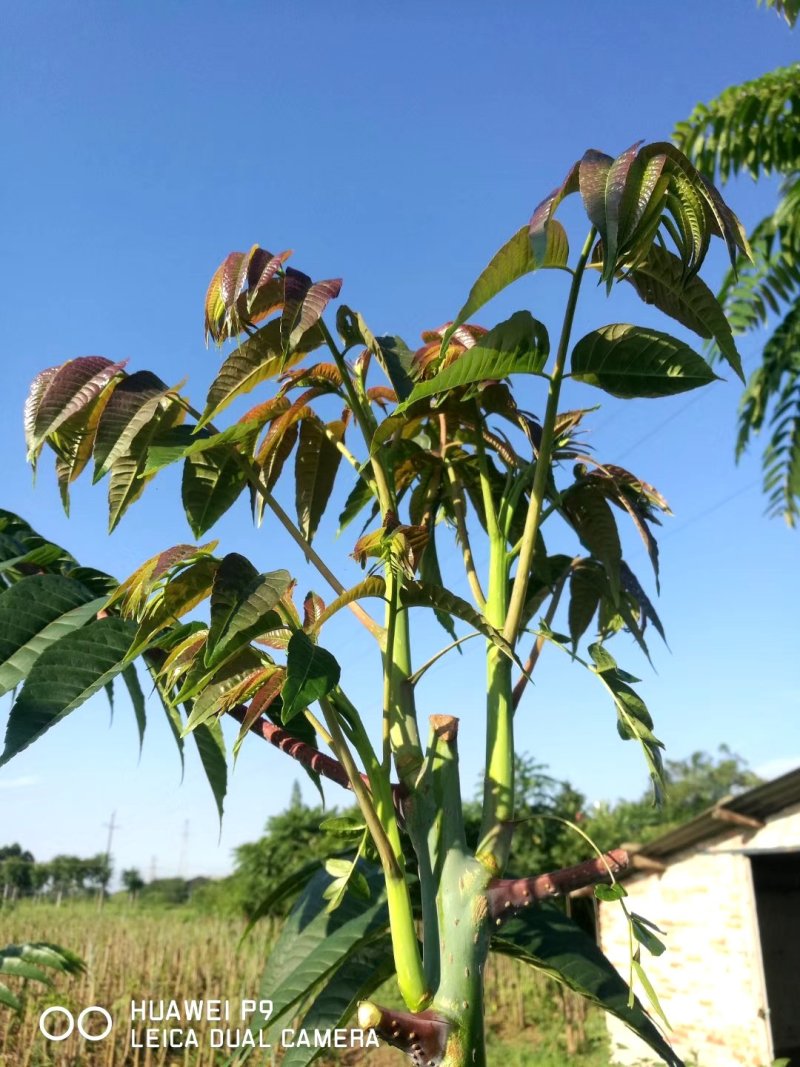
{"x":134,"y":953}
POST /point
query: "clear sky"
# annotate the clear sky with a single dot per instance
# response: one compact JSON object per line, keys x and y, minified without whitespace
{"x":396,"y":147}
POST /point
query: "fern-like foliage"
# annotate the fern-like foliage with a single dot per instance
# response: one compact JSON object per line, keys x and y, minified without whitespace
{"x":776,"y":383}
{"x":789,"y":9}
{"x":754,"y":128}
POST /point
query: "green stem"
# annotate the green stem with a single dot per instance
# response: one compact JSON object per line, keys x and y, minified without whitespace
{"x":536,"y":651}
{"x":364,"y":418}
{"x":379,"y":781}
{"x":399,"y":693}
{"x":408,"y":960}
{"x":533,"y":518}
{"x":392,"y":606}
{"x":465,"y":934}
{"x":456,"y":491}
{"x":492,"y":527}
{"x":498,"y":792}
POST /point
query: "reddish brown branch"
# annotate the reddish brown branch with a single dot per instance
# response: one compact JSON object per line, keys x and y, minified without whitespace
{"x":306,"y":754}
{"x":422,"y":1035}
{"x":507,"y":895}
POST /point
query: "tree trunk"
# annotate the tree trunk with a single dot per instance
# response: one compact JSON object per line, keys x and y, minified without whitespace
{"x":450,"y":1032}
{"x":464,"y":927}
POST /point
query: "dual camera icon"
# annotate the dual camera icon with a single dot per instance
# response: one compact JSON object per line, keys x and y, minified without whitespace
{"x":71,"y":1022}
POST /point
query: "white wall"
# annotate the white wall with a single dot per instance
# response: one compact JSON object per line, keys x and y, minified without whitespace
{"x":709,"y":981}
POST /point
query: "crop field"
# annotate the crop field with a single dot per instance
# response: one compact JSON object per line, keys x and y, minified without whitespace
{"x":137,"y":953}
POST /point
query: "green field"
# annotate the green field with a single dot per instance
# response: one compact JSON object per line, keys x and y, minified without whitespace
{"x":133,"y":952}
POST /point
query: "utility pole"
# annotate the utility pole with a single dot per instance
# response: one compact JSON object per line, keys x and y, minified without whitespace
{"x":184,"y":850}
{"x":112,"y":826}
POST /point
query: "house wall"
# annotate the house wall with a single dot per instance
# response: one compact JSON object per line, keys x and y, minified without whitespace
{"x":710,"y":980}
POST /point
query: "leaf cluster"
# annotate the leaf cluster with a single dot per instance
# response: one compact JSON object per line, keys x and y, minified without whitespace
{"x":755,"y":128}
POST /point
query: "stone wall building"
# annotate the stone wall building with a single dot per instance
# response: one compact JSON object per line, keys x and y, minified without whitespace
{"x":725,"y":889}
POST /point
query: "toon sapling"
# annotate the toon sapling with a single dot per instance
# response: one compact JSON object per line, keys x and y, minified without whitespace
{"x":441,"y":452}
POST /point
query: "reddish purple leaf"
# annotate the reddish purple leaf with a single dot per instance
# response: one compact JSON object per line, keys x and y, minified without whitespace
{"x":229,"y":277}
{"x":313,"y":607}
{"x":295,"y":286}
{"x":74,"y":385}
{"x":542,"y":216}
{"x":314,"y":303}
{"x":133,"y":403}
{"x":719,"y":217}
{"x":592,"y":175}
{"x":35,"y":393}
{"x":642,"y":181}
{"x":245,"y":269}
{"x":615,"y":189}
{"x":266,"y":270}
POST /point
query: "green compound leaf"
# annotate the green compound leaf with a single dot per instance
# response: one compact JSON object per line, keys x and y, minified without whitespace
{"x":660,"y":281}
{"x":29,"y":960}
{"x":242,"y":606}
{"x":314,"y":944}
{"x":131,"y":406}
{"x":311,"y":673}
{"x":514,"y":260}
{"x":519,"y":345}
{"x":211,"y":749}
{"x":64,"y":676}
{"x":632,"y":361}
{"x":255,"y":360}
{"x":316,"y":463}
{"x":212,"y":482}
{"x":35,"y":613}
{"x":355,"y":980}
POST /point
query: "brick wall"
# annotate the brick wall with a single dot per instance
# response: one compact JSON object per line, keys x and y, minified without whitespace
{"x":709,"y":980}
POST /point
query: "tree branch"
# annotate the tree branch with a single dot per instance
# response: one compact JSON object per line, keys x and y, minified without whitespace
{"x":536,"y":651}
{"x":307,"y":755}
{"x":421,"y":1035}
{"x":507,"y":895}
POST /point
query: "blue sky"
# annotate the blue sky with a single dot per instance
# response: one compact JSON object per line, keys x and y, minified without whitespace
{"x":396,"y":148}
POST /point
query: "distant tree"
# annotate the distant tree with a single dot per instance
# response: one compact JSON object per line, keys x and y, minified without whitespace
{"x":15,"y":851}
{"x":96,"y":872}
{"x":132,"y":881}
{"x":16,"y":877}
{"x":61,"y":874}
{"x":694,"y":784}
{"x":74,"y":875}
{"x":167,"y":891}
{"x":40,"y":874}
{"x":291,"y":840}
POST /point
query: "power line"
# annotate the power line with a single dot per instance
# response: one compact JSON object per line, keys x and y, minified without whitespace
{"x":710,"y":510}
{"x":660,"y":425}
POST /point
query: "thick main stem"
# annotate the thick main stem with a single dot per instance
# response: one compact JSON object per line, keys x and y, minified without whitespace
{"x":462,"y":908}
